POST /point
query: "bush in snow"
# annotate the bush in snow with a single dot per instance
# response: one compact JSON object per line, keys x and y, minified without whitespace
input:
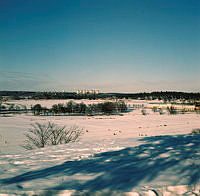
{"x":144,"y":112}
{"x":171,"y":110}
{"x":41,"y":135}
{"x":161,"y":111}
{"x":36,"y":109}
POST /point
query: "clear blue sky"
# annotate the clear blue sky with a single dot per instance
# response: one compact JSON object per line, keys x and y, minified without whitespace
{"x":110,"y":45}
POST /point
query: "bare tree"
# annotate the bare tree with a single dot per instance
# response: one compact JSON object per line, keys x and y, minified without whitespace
{"x":172,"y":110}
{"x":72,"y":134}
{"x":37,"y":136}
{"x":41,"y":135}
{"x":144,"y":112}
{"x":56,"y":134}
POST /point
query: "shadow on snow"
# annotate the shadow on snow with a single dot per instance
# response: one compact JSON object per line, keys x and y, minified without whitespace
{"x":169,"y":160}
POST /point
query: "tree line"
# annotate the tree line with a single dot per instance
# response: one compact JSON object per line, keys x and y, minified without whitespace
{"x":71,"y":107}
{"x":162,"y":95}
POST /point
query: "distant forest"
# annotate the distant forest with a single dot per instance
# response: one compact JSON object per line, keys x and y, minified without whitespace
{"x":166,"y":96}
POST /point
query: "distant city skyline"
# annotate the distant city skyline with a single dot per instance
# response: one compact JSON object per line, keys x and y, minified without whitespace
{"x":109,"y":45}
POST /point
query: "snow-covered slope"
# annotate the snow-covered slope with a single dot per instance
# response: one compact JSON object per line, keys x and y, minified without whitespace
{"x":133,"y":154}
{"x":130,"y":125}
{"x":119,"y":166}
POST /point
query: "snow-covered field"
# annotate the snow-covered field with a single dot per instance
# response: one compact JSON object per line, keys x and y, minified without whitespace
{"x":117,"y":154}
{"x":48,"y":103}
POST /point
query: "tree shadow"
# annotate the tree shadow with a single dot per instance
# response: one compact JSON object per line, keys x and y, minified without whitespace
{"x":160,"y":161}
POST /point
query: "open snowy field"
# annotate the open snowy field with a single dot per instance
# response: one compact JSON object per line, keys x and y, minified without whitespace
{"x":130,"y":125}
{"x":151,"y":166}
{"x":116,"y":154}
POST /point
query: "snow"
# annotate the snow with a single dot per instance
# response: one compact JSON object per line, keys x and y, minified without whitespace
{"x":130,"y":125}
{"x":117,"y":155}
{"x":48,"y":103}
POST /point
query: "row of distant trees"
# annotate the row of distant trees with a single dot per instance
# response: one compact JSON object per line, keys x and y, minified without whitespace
{"x":81,"y":108}
{"x":162,"y":95}
{"x":13,"y":107}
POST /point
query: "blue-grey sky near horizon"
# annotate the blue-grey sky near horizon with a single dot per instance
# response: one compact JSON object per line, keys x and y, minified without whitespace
{"x":110,"y":45}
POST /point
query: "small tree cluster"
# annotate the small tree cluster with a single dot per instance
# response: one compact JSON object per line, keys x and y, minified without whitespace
{"x":12,"y":107}
{"x":38,"y":109}
{"x":69,"y":107}
{"x":2,"y":107}
{"x":41,"y":135}
{"x":160,"y":111}
{"x":144,"y":112}
{"x":81,"y":108}
{"x":171,"y":110}
{"x":107,"y":107}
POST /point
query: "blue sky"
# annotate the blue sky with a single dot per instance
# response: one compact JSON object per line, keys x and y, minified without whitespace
{"x":110,"y":45}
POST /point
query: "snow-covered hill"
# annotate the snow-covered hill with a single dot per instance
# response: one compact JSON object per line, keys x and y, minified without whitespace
{"x":130,"y":125}
{"x":149,"y":165}
{"x":129,"y":154}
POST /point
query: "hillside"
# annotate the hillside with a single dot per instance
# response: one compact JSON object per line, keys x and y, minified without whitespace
{"x":125,"y":154}
{"x":110,"y":166}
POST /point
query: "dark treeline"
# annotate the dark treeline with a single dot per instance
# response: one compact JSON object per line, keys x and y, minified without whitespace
{"x":167,"y":95}
{"x":163,"y":95}
{"x":17,"y":94}
{"x":81,"y":108}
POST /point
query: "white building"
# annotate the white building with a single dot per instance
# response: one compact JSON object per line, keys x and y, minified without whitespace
{"x":83,"y":92}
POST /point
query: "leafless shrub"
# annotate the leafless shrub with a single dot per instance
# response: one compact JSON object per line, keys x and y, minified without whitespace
{"x":172,"y":110}
{"x":161,"y":111}
{"x":144,"y":112}
{"x":41,"y":135}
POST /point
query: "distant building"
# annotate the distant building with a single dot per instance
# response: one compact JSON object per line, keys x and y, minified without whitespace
{"x":84,"y":92}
